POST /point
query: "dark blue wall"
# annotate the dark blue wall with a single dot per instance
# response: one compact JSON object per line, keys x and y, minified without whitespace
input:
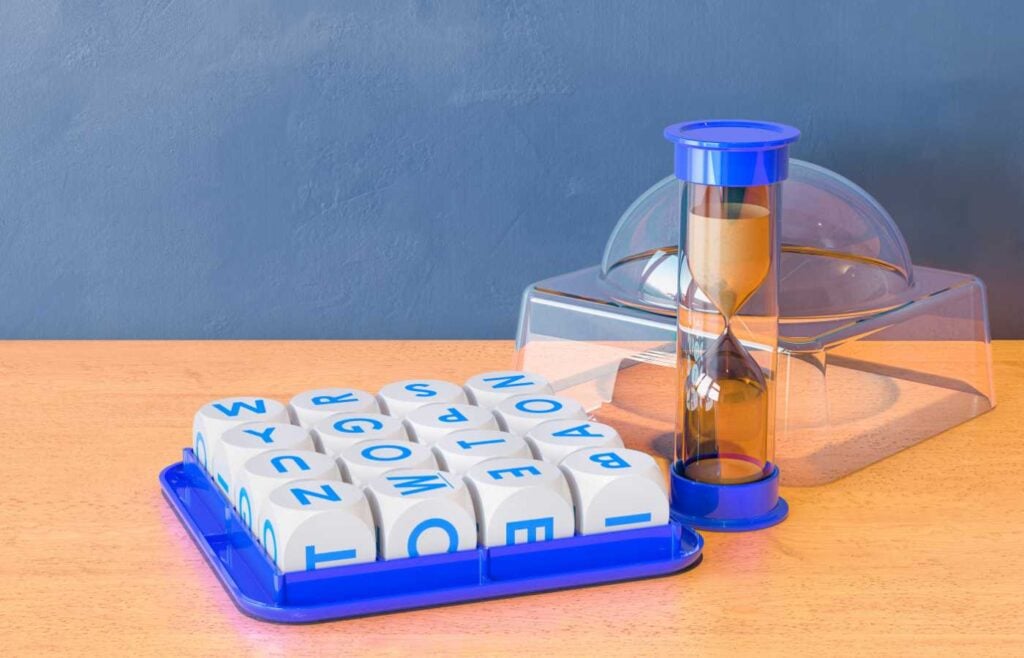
{"x":299,"y":169}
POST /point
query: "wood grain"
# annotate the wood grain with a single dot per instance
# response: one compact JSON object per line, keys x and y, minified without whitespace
{"x":916,"y":555}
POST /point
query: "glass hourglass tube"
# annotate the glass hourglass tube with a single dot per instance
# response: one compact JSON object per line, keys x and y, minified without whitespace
{"x":731,"y":173}
{"x":728,"y":314}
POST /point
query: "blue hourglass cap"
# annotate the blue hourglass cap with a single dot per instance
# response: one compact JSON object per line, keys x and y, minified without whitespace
{"x":732,"y":152}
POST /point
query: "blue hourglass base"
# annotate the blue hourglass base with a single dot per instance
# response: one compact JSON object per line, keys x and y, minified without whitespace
{"x":727,"y":507}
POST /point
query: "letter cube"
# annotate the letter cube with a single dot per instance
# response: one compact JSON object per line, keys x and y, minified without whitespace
{"x":460,"y":451}
{"x":520,"y":501}
{"x":522,"y":413}
{"x":315,"y":524}
{"x":364,"y":461}
{"x":555,"y":440}
{"x":217,"y":417}
{"x":616,"y":489}
{"x":429,"y":424}
{"x":421,"y":512}
{"x":489,"y":388}
{"x":340,"y":431}
{"x":239,"y":444}
{"x":310,"y":407}
{"x":265,"y":472}
{"x":400,"y":398}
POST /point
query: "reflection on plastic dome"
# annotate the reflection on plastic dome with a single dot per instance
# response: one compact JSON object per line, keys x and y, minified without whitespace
{"x":842,"y":253}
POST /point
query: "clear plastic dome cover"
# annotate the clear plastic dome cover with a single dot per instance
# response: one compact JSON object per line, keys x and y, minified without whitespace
{"x":875,"y":355}
{"x":842,"y":254}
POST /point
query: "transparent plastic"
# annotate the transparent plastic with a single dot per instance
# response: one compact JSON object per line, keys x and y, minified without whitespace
{"x":728,"y":333}
{"x":874,"y":354}
{"x":842,"y":254}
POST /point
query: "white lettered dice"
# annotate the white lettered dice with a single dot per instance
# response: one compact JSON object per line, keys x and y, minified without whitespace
{"x":421,"y":512}
{"x":522,"y":413}
{"x":217,"y":417}
{"x":401,"y":398}
{"x":310,"y":407}
{"x":364,"y":461}
{"x":265,"y":472}
{"x":520,"y":501}
{"x":335,"y":433}
{"x":555,"y":440}
{"x":460,"y":451}
{"x":616,"y":489}
{"x":315,"y":524}
{"x":489,"y":388}
{"x":433,"y":422}
{"x":239,"y":444}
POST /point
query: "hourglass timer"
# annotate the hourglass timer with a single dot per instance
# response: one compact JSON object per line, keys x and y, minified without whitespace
{"x":723,"y":475}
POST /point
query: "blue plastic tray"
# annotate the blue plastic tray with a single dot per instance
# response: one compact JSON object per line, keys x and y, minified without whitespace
{"x":259,"y":589}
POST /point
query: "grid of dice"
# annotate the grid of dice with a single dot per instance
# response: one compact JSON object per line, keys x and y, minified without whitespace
{"x":340,"y":476}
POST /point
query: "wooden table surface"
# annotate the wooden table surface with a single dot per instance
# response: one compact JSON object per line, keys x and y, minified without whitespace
{"x":921,"y":553}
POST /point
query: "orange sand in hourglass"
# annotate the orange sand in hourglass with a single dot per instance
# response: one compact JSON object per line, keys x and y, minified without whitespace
{"x":725,"y":395}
